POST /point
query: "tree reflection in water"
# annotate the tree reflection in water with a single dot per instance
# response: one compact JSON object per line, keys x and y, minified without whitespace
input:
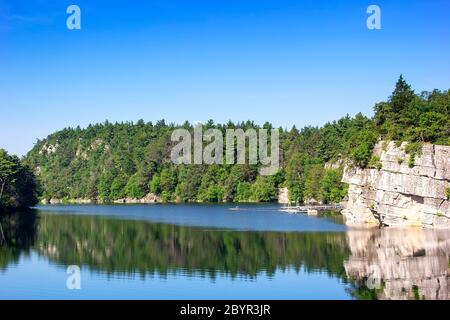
{"x":130,"y":246}
{"x":406,"y":263}
{"x":19,"y":231}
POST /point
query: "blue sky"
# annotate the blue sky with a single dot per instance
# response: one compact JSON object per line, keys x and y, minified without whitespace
{"x":287,"y":62}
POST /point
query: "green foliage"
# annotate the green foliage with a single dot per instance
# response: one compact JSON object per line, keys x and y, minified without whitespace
{"x":414,"y":148}
{"x":17,"y":183}
{"x":411,"y":117}
{"x":168,"y":180}
{"x":135,"y":187}
{"x":447,"y":193}
{"x":411,"y":160}
{"x":104,"y":185}
{"x":430,"y":126}
{"x":264,"y":190}
{"x":416,"y":293}
{"x":155,"y":184}
{"x":332,"y":190}
{"x":244,"y":192}
{"x":295,"y":178}
{"x":118,"y":187}
{"x":313,"y":180}
{"x":363,"y":146}
{"x":375,"y":163}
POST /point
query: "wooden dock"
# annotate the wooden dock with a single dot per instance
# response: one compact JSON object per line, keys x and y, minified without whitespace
{"x":311,"y":209}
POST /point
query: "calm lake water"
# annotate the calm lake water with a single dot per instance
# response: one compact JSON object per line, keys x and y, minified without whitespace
{"x":211,"y":252}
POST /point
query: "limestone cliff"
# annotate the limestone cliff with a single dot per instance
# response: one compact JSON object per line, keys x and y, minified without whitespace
{"x":400,"y":192}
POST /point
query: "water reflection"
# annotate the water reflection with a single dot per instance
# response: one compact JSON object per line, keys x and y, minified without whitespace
{"x":377,"y":263}
{"x":129,"y":246}
{"x":399,"y":263}
{"x":17,"y":235}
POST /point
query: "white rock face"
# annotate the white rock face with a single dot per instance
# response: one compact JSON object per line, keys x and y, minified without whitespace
{"x":283,"y":195}
{"x":397,"y":195}
{"x":71,"y":201}
{"x":149,"y":198}
{"x":49,"y":149}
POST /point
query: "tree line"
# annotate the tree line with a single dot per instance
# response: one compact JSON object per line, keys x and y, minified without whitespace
{"x":112,"y":161}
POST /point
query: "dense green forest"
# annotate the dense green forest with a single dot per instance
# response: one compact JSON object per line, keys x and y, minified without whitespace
{"x":113,"y":161}
{"x":17,"y":183}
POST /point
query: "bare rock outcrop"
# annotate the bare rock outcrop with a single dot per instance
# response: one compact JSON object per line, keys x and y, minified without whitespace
{"x":48,"y":149}
{"x":56,"y":201}
{"x":283,"y":195}
{"x":398,"y":194}
{"x":149,"y":198}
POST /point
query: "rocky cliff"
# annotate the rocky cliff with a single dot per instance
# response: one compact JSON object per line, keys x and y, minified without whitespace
{"x":402,"y":190}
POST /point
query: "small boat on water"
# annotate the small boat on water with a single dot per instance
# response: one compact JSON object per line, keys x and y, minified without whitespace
{"x":235,"y":208}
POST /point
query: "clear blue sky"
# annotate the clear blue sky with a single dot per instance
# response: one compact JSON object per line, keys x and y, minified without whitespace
{"x":288,"y":62}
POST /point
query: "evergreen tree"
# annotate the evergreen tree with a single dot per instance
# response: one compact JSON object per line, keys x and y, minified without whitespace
{"x":17,"y":183}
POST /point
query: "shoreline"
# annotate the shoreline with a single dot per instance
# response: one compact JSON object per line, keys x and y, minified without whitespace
{"x":56,"y":202}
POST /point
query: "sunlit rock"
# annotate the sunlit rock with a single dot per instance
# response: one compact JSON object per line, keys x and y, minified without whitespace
{"x":397,"y":194}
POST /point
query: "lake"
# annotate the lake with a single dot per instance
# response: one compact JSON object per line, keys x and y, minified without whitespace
{"x":193,"y":251}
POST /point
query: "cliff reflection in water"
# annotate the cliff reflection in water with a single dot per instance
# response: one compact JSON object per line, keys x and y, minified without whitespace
{"x":376,"y":264}
{"x":399,"y":263}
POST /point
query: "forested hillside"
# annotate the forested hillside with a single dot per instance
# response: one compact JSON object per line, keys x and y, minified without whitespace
{"x":112,"y":161}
